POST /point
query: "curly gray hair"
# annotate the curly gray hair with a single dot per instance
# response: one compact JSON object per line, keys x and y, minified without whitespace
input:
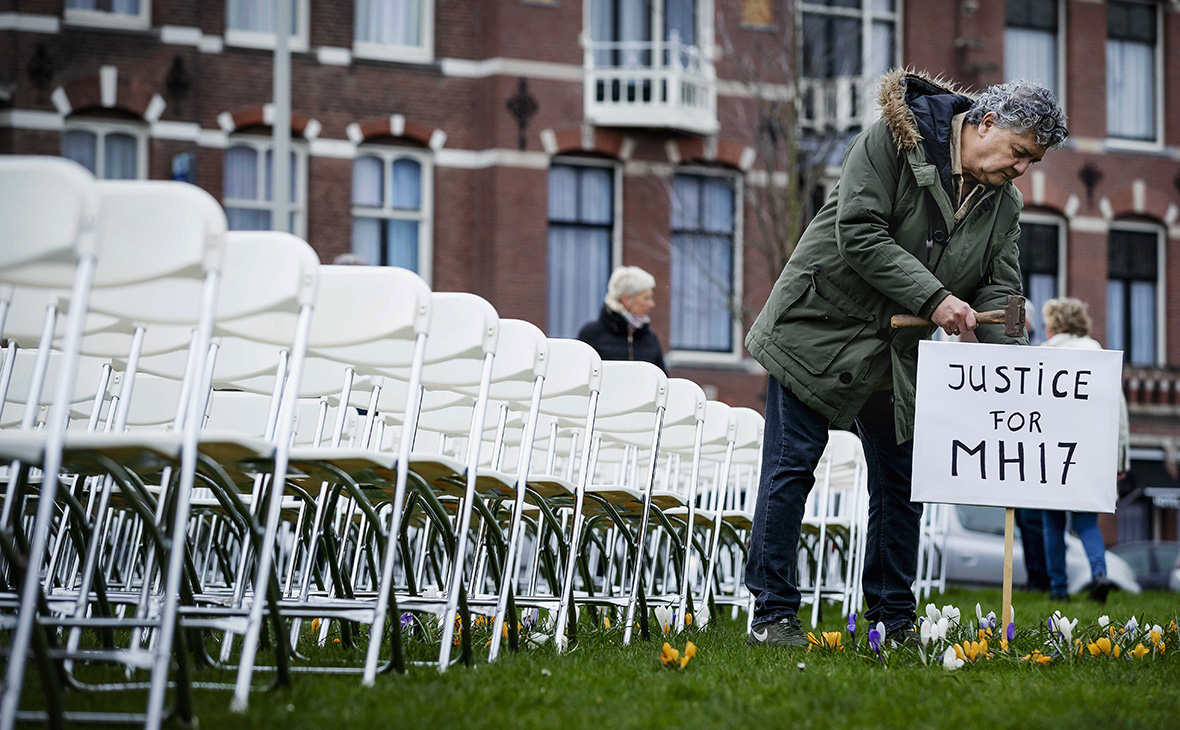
{"x":1023,"y":105}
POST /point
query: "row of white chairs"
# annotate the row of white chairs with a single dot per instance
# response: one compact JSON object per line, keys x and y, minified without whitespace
{"x":211,"y":439}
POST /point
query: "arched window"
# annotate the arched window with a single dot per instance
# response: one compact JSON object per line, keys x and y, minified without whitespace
{"x":582,"y":230}
{"x":1133,"y":289}
{"x":248,"y":195}
{"x":391,"y":207}
{"x":112,"y":149}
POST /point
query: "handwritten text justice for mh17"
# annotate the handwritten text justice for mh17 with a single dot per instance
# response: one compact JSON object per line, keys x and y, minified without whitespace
{"x":1045,"y":461}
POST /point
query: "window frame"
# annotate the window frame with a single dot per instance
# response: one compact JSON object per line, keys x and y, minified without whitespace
{"x":296,"y":42}
{"x":262,"y":145}
{"x":705,"y":358}
{"x":1161,"y":355}
{"x":1062,"y":80}
{"x":616,"y":235}
{"x":388,"y":153}
{"x":398,"y":53}
{"x":1156,"y":144}
{"x":1061,"y":275}
{"x":101,"y":128}
{"x":109,"y":19}
{"x":867,"y":15}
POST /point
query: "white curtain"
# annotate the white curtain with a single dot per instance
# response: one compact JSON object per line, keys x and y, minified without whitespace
{"x":241,"y":173}
{"x":257,"y":15}
{"x":702,"y":264}
{"x":129,"y":7}
{"x":81,"y":147}
{"x":366,"y":239}
{"x":635,"y":25}
{"x":391,"y":22}
{"x":581,"y":218}
{"x":120,"y":157}
{"x":1130,"y":89}
{"x":1115,"y":317}
{"x":579,"y":267}
{"x":1041,"y":288}
{"x":1032,"y":55}
{"x":367,"y":177}
{"x":1143,"y":312}
{"x":406,"y":184}
{"x":401,"y":247}
{"x":881,"y":57}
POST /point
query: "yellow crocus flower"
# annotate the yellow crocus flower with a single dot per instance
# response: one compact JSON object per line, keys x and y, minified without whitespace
{"x":1139,"y":651}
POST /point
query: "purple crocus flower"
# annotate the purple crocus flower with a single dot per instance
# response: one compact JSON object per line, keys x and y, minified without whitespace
{"x":407,"y":619}
{"x":1011,"y":630}
{"x":852,"y":626}
{"x":877,"y":637}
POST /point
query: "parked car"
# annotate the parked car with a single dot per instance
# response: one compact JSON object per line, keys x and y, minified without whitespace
{"x":975,"y":553}
{"x":1156,"y":564}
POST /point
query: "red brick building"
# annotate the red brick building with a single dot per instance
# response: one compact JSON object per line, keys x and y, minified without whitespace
{"x":520,"y":149}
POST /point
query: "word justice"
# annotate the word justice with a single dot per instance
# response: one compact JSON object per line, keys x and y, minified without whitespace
{"x":1021,"y":380}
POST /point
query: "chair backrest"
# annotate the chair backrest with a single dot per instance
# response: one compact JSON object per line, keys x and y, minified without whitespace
{"x":630,"y":388}
{"x":686,"y":408}
{"x":358,"y":306}
{"x":49,"y":213}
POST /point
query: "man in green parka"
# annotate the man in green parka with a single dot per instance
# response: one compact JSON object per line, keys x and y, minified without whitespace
{"x":923,"y":220}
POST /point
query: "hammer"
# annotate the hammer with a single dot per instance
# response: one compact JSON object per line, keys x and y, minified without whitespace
{"x":1011,"y":316}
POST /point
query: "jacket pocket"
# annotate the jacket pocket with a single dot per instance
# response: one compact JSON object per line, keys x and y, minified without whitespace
{"x":819,"y":323}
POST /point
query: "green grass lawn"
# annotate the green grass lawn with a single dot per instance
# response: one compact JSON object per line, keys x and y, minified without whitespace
{"x":601,"y":684}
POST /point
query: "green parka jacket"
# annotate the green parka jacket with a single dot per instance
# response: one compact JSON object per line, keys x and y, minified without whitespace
{"x":824,"y":333}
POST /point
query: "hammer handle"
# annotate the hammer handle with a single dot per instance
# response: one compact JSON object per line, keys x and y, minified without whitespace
{"x":996,"y":316}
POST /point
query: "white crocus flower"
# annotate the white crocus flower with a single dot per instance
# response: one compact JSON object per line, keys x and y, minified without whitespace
{"x":926,"y":632}
{"x":979,"y":616}
{"x":664,"y":617}
{"x":1132,"y":627}
{"x":1065,"y":627}
{"x":951,"y":613}
{"x":950,"y":660}
{"x":1104,"y":621}
{"x":941,"y":628}
{"x":932,"y":613}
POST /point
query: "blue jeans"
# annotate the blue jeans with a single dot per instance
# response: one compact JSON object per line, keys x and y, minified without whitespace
{"x":1085,"y":524}
{"x":794,"y":442}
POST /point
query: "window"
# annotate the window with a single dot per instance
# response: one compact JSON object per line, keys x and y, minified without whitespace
{"x":110,"y":150}
{"x":623,"y":31}
{"x":847,"y":45}
{"x":848,"y":38}
{"x":398,"y":30}
{"x":1039,"y":269}
{"x":248,"y":196}
{"x":1030,"y":42}
{"x":109,"y":13}
{"x":1132,"y":105}
{"x":391,"y":191}
{"x":251,"y":23}
{"x":581,"y":231}
{"x":1132,"y":290}
{"x":703,"y":266}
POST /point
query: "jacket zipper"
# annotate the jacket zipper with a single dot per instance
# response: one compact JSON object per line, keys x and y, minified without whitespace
{"x":630,"y":344}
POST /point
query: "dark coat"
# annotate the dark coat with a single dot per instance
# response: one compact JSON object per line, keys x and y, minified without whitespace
{"x":614,"y":339}
{"x":824,"y":333}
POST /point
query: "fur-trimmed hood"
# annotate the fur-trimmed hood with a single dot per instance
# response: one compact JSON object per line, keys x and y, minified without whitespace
{"x":899,"y":88}
{"x":918,"y":109}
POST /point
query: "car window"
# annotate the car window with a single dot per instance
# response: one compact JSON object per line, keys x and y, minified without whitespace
{"x":982,"y":519}
{"x":1168,"y":554}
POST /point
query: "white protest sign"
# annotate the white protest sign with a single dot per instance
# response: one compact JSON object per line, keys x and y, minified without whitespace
{"x":1005,"y":426}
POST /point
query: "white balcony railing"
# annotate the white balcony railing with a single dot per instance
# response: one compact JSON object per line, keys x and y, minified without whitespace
{"x":839,"y":104}
{"x":650,"y":84}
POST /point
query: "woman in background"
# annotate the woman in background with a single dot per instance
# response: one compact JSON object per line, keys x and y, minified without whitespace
{"x":623,"y":328}
{"x":1067,"y":324}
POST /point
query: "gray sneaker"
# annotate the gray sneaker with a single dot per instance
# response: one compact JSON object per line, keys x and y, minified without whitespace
{"x":904,"y":638}
{"x":784,"y":632}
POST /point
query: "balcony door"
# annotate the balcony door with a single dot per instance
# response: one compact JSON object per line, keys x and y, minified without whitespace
{"x":623,"y":32}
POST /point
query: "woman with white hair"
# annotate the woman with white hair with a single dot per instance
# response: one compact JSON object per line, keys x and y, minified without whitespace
{"x":1067,"y":324}
{"x":623,"y":328}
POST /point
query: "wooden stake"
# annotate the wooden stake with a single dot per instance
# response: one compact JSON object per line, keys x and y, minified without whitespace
{"x":1009,"y":529}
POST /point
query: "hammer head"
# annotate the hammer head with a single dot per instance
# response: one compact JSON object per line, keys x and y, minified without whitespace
{"x":1014,"y":316}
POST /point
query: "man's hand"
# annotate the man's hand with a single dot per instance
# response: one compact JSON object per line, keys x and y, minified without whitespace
{"x":954,"y":316}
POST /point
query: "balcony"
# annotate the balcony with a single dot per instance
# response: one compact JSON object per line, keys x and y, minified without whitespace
{"x":842,"y":104}
{"x":661,"y":84}
{"x":1152,"y":391}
